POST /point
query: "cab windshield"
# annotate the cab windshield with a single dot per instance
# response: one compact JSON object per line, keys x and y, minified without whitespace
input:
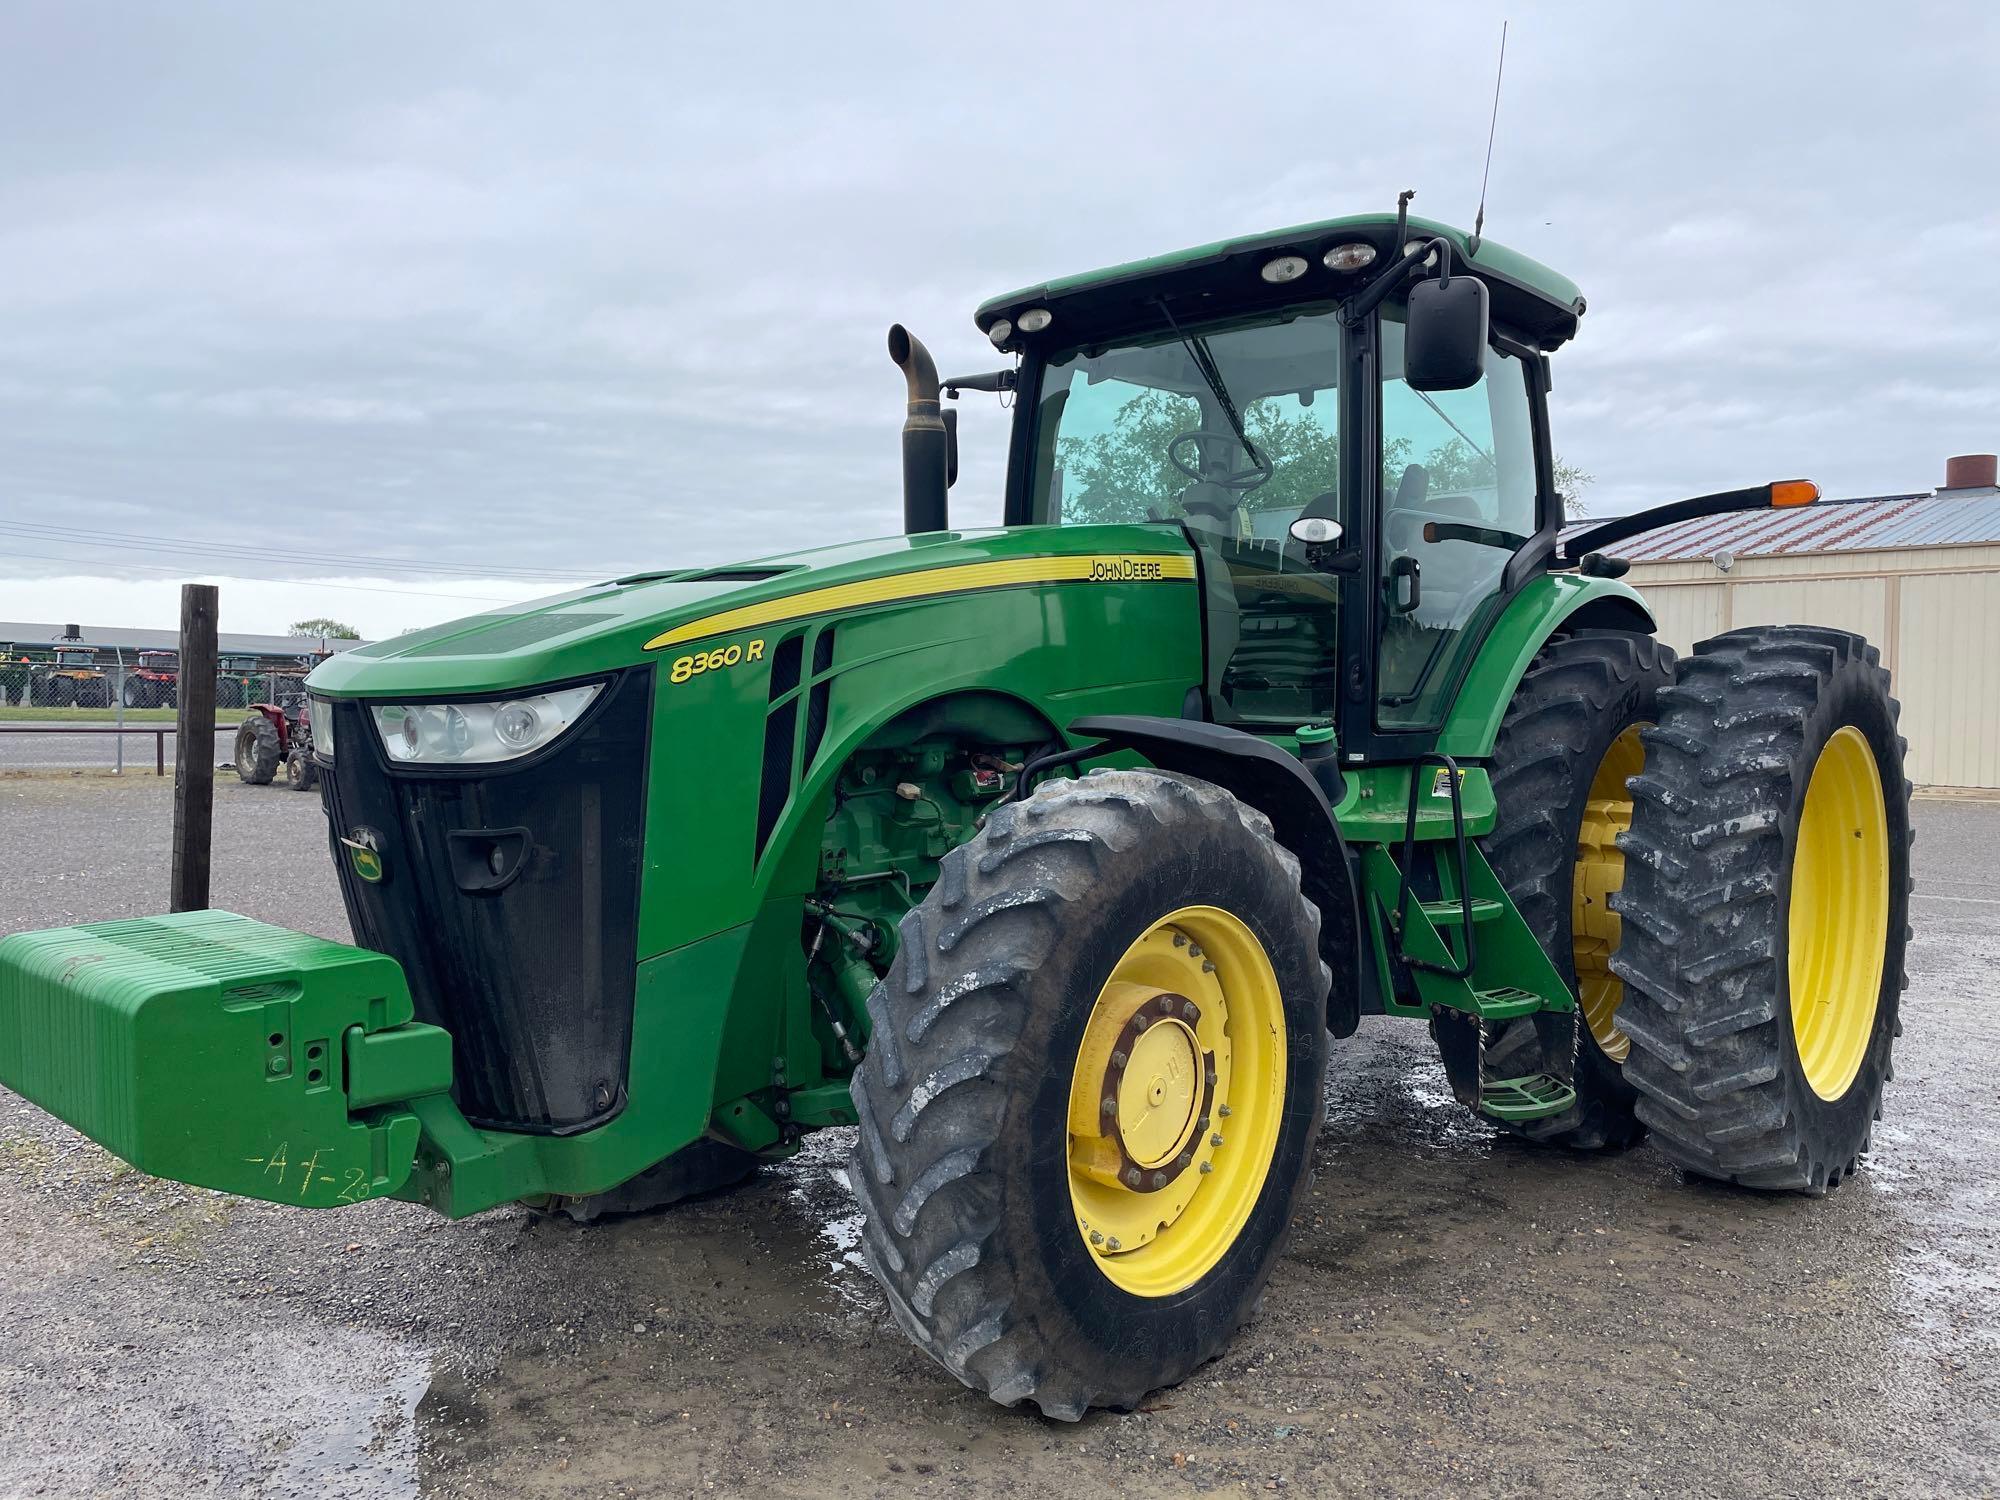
{"x":1231,"y":430}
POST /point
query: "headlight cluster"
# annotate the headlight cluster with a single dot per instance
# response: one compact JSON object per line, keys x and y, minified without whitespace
{"x":322,"y":726}
{"x":477,"y":733}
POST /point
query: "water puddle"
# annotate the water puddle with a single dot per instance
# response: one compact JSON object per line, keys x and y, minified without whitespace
{"x":355,"y":1440}
{"x":816,"y":1181}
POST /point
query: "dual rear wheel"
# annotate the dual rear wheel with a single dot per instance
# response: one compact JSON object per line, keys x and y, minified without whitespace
{"x":1715,"y":854}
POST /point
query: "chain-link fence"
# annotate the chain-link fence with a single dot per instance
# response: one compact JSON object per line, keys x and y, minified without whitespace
{"x":118,"y":681}
{"x":79,"y":710}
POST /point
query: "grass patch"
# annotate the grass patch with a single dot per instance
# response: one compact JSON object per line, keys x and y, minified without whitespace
{"x":27,"y":714}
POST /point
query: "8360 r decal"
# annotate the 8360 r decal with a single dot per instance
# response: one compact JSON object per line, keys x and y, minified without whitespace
{"x":685,"y":667}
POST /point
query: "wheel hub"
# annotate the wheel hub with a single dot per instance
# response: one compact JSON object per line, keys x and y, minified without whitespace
{"x":1174,"y":1101}
{"x":1159,"y":1085}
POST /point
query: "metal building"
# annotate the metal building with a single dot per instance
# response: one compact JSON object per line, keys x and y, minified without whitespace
{"x":1918,"y":574}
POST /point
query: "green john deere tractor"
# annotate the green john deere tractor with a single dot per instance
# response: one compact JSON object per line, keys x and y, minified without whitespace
{"x":1055,"y":856}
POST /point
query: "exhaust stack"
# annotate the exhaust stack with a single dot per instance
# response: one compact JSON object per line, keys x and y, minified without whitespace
{"x":926,"y":445}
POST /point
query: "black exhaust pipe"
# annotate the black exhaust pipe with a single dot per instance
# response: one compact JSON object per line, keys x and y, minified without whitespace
{"x":926,"y":444}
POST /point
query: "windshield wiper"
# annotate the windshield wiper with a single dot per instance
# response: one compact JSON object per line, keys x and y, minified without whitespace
{"x":1204,"y":362}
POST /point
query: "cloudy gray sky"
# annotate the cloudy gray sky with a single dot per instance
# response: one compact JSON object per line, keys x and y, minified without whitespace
{"x":516,"y":292}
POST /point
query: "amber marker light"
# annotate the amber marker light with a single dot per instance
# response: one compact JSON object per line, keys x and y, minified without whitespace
{"x":1786,"y":492}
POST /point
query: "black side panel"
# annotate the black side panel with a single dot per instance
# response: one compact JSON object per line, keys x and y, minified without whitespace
{"x":531,"y":969}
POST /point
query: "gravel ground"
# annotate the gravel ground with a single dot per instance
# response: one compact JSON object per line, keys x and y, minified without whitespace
{"x":1456,"y":1313}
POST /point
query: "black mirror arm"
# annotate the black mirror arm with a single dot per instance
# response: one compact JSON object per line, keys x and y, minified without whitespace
{"x":1377,"y":291}
{"x":992,"y":380}
{"x":1723,"y":502}
{"x":1345,"y":561}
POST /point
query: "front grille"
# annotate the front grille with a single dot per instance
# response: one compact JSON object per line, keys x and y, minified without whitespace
{"x":533,"y":979}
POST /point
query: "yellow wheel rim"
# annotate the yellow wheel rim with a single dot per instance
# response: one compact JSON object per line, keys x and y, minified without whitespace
{"x":1600,"y":870}
{"x":1839,"y":917}
{"x":1176,"y":1101}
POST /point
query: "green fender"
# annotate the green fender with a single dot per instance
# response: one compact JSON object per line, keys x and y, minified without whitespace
{"x":1547,"y":604}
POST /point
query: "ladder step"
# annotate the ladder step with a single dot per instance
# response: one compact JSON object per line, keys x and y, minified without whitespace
{"x":1483,"y":910}
{"x":1528,"y":1098}
{"x":1505,"y":1003}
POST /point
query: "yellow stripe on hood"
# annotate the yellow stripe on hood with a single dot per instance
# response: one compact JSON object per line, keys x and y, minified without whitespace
{"x":927,"y":583}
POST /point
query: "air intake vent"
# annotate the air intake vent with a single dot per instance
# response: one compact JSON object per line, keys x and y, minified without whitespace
{"x":779,"y":725}
{"x":816,"y":699}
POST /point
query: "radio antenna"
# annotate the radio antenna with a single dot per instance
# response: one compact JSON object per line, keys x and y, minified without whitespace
{"x":1479,"y":220}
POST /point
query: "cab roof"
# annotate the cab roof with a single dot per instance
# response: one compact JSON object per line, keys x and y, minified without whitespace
{"x":1528,"y":299}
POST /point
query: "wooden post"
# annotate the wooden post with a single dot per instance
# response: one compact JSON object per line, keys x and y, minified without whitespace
{"x":194,"y":749}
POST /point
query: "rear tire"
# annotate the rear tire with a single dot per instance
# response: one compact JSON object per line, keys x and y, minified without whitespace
{"x":257,"y":750}
{"x":977,"y":1186}
{"x":300,"y":772}
{"x":1766,"y":908}
{"x":1557,"y":772}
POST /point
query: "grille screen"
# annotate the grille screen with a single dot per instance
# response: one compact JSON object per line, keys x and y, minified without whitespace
{"x":533,"y":977}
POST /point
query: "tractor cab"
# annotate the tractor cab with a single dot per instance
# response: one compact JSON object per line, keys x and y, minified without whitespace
{"x":1239,"y":390}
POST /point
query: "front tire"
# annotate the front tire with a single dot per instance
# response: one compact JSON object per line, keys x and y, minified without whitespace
{"x":1767,"y":908}
{"x":1113,"y":986}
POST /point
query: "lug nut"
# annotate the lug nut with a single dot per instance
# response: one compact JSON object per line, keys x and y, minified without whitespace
{"x":1207,"y":967}
{"x":1216,"y":1139}
{"x":1224,"y":1111}
{"x":1118,"y":1059}
{"x":1194,"y":950}
{"x":1112,"y":1243}
{"x":1159,"y":1179}
{"x":1110,"y":1105}
{"x":1132,"y":1177}
{"x":1179,"y":941}
{"x":1096,"y":1237}
{"x":1207,"y":1167}
{"x":1188,"y":1009}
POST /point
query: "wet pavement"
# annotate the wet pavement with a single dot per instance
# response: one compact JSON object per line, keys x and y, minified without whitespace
{"x":1456,"y":1313}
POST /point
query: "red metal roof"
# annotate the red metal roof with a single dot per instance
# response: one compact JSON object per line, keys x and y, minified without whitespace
{"x":1951,"y":518}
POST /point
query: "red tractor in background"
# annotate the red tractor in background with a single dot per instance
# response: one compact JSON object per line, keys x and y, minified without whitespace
{"x":276,"y":735}
{"x":154,"y":682}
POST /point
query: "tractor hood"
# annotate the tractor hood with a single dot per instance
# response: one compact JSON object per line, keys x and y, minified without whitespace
{"x":621,"y":622}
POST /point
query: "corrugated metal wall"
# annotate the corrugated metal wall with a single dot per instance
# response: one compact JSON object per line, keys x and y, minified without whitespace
{"x":1933,"y":611}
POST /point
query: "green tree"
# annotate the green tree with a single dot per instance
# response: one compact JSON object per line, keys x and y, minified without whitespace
{"x":1571,"y":482}
{"x":322,"y":626}
{"x":1123,"y":473}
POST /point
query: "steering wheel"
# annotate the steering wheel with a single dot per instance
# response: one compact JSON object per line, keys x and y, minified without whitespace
{"x":1238,"y":481}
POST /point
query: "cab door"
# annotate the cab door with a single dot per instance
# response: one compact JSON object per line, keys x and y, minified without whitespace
{"x":1463,"y":491}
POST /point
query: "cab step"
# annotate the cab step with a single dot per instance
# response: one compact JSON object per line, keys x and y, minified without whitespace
{"x":1483,"y":910}
{"x":1505,"y":1003}
{"x":1530,"y":1097}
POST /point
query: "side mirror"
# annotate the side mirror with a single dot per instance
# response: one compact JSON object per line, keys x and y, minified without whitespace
{"x":1315,"y":531}
{"x":1317,"y":534}
{"x":1444,"y":334}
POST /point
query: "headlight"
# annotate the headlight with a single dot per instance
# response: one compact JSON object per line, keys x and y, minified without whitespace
{"x":475,"y":733}
{"x":322,"y":726}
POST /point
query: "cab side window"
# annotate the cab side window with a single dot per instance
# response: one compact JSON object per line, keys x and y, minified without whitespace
{"x":1459,"y":496}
